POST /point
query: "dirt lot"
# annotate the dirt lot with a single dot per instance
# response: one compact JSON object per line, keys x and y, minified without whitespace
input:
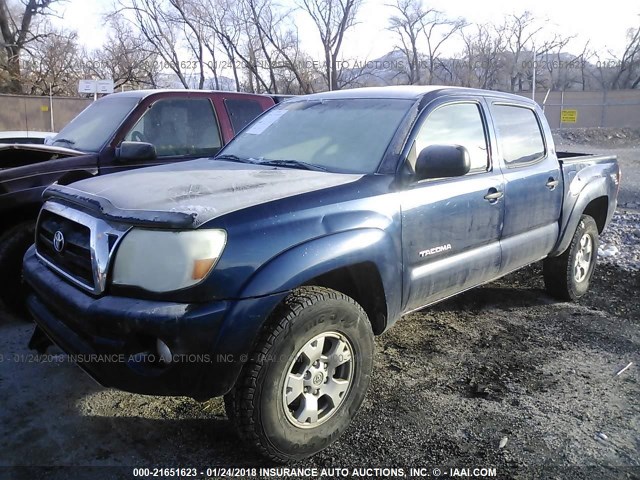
{"x":500,"y":363}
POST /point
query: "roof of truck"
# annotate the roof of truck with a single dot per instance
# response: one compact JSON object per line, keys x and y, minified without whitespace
{"x":412,"y":92}
{"x":409,"y":92}
{"x":146,"y":93}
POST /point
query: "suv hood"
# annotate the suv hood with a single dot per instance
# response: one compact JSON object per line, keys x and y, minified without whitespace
{"x":192,"y":193}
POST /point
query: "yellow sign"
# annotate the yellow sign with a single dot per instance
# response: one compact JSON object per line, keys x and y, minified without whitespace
{"x":569,"y":116}
{"x":44,"y":108}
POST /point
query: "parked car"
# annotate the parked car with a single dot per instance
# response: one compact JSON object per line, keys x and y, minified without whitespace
{"x":264,"y":274}
{"x":119,"y":132}
{"x":25,"y":137}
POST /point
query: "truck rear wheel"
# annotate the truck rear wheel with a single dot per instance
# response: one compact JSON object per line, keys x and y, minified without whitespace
{"x":307,"y":377}
{"x":567,"y":276}
{"x":13,"y":245}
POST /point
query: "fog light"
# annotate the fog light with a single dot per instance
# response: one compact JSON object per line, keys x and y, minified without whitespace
{"x":164,"y":352}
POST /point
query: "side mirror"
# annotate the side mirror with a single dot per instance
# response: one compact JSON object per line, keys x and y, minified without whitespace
{"x":439,"y":161}
{"x":137,"y":151}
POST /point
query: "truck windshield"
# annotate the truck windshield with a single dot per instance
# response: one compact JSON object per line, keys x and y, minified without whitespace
{"x":89,"y":131}
{"x":340,"y":135}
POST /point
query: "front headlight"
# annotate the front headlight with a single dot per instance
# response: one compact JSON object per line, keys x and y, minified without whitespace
{"x":162,"y":261}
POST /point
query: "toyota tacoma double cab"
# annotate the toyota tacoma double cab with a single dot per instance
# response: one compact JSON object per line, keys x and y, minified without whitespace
{"x":263,"y":274}
{"x":118,"y":132}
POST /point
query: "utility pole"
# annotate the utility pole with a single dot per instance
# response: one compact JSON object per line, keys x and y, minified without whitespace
{"x":533,"y":83}
{"x":53,"y":128}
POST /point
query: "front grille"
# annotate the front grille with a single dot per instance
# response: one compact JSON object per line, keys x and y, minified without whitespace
{"x":75,"y":257}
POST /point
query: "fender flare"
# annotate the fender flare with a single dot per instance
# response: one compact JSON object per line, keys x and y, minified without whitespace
{"x":594,"y":189}
{"x":298,"y":265}
{"x":294,"y":267}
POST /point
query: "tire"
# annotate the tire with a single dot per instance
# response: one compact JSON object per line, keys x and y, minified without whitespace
{"x":14,"y":243}
{"x":567,"y":276}
{"x":271,"y":408}
{"x":230,"y":406}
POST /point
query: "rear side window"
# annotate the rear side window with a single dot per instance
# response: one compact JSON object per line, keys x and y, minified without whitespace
{"x":456,"y":124}
{"x":519,"y":134}
{"x":242,"y":112}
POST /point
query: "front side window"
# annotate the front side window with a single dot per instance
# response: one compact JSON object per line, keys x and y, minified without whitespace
{"x":456,"y":124}
{"x":340,"y":135}
{"x":178,"y":127}
{"x":519,"y":134}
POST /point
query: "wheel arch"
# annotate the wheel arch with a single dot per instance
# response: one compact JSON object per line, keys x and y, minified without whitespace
{"x":351,"y":262}
{"x":363,"y":284}
{"x":594,"y":201}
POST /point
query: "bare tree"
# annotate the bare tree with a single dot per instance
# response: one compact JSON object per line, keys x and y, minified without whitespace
{"x":406,"y":23}
{"x":333,"y":18}
{"x":519,"y":33}
{"x":126,"y":57}
{"x":628,"y":66}
{"x":51,"y":65}
{"x":482,"y":59}
{"x":437,"y":29}
{"x":17,"y":29}
{"x":217,"y":19}
{"x":162,"y":29}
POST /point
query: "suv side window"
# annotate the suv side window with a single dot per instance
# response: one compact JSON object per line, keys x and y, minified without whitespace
{"x":519,"y":134}
{"x":179,"y":127}
{"x":456,"y":124}
{"x":242,"y":112}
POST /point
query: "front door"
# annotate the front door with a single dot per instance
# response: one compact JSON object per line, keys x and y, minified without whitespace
{"x":180,"y":129}
{"x":451,"y":226}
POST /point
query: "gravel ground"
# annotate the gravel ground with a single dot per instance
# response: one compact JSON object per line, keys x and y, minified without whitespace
{"x":501,"y":376}
{"x":620,"y":242}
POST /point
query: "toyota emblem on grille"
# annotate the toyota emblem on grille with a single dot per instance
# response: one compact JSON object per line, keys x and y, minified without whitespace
{"x":58,"y":241}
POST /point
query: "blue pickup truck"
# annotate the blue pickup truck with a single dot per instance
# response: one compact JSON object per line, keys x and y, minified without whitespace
{"x":264,"y":273}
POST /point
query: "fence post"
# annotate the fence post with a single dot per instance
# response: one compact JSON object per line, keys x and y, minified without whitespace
{"x":603,"y":114}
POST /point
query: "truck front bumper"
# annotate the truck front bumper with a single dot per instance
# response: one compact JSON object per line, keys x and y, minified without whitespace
{"x":143,"y":346}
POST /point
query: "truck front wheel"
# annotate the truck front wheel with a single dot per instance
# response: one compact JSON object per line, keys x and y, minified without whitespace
{"x":567,"y":276}
{"x":307,"y":377}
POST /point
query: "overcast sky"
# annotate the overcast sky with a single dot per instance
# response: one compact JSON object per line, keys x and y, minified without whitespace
{"x":605,"y":26}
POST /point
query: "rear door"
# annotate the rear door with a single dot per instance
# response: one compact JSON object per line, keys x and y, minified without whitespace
{"x":451,"y":226}
{"x":533,"y":185}
{"x":237,"y":110}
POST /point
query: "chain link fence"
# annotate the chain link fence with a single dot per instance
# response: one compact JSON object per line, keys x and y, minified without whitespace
{"x":578,"y":109}
{"x":39,"y":114}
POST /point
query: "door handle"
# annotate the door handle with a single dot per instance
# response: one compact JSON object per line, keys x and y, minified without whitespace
{"x":493,"y":195}
{"x":552,"y":183}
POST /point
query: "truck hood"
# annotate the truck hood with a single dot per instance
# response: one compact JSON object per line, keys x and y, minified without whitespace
{"x":200,"y":190}
{"x":35,"y":147}
{"x":21,"y":154}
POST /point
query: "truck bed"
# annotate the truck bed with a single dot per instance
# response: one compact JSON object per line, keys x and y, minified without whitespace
{"x":575,"y":157}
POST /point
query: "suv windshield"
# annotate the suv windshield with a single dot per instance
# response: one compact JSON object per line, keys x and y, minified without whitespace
{"x":342,"y":135}
{"x":90,"y":130}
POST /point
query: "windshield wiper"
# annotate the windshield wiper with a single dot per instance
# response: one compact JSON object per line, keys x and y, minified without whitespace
{"x":294,"y":164}
{"x":64,"y":140}
{"x":235,"y":158}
